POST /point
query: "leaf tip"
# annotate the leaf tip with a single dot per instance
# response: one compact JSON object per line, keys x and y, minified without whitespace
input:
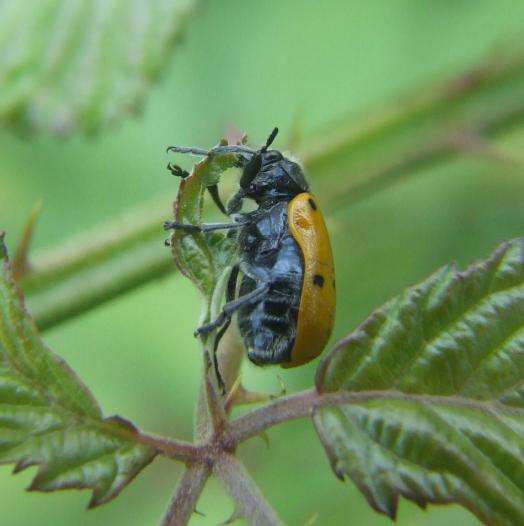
{"x":391,"y":509}
{"x":387,"y":504}
{"x":97,"y":499}
{"x":122,"y":423}
{"x":21,"y":466}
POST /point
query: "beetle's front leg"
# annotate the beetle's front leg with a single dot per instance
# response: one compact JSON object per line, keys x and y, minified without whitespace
{"x":209,"y":227}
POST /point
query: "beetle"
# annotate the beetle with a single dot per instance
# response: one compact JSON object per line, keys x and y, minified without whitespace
{"x":283,"y":284}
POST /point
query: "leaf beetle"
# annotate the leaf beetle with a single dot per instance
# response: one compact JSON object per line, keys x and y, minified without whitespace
{"x":283,"y":284}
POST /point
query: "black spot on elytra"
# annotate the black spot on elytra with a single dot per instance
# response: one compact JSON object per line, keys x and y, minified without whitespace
{"x":318,"y":280}
{"x":312,"y":204}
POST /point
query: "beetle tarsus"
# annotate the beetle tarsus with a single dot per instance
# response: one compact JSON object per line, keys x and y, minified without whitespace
{"x":177,"y":170}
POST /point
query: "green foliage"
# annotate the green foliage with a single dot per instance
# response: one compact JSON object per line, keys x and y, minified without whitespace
{"x":346,"y":162}
{"x":443,"y":365}
{"x":401,"y":430}
{"x":203,"y":257}
{"x":49,"y":418}
{"x":68,"y":65}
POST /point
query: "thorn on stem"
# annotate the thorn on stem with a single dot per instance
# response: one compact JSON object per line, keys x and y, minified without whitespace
{"x":236,"y":515}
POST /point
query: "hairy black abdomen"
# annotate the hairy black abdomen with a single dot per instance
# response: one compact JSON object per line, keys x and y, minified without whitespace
{"x":269,"y":327}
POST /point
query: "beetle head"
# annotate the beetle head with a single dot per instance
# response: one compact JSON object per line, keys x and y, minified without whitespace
{"x":268,"y":176}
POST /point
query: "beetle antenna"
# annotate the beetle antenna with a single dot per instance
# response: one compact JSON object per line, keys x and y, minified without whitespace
{"x":270,"y":140}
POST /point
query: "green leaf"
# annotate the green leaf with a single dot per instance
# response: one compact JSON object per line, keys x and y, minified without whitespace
{"x":49,"y":418}
{"x":79,"y":64}
{"x":202,"y":257}
{"x":436,"y":378}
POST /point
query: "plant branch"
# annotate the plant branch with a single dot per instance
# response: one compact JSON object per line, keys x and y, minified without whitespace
{"x":428,"y":126}
{"x":174,"y":449}
{"x":210,"y":416}
{"x":182,"y":505}
{"x":249,"y":501}
{"x":348,"y":161}
{"x":98,"y":265}
{"x":304,"y":404}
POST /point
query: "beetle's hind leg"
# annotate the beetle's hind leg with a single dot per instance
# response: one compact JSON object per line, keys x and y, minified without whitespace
{"x":230,"y":308}
{"x":224,"y":318}
{"x":230,"y":296}
{"x":232,"y":305}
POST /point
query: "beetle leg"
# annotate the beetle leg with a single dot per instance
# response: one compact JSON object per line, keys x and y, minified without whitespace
{"x":231,"y":307}
{"x":173,"y":225}
{"x":217,"y":150}
{"x":234,"y":204}
{"x":177,"y":170}
{"x":230,"y":296}
{"x":213,"y":192}
{"x":255,"y":273}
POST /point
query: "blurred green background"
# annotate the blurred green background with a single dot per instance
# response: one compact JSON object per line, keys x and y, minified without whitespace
{"x":249,"y":66}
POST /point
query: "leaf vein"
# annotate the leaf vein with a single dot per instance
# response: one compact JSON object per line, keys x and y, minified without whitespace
{"x":448,"y":329}
{"x":491,"y":352}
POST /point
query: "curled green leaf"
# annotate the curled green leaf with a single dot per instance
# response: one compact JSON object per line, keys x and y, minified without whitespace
{"x":201,"y":256}
{"x":50,"y":419}
{"x":443,"y":367}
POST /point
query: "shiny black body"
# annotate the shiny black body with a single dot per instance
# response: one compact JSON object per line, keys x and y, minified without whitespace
{"x":270,"y":261}
{"x":269,"y":254}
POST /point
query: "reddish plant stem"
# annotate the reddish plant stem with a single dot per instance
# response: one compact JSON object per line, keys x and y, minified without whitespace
{"x":174,"y":449}
{"x":182,"y":505}
{"x":248,"y":499}
{"x":305,"y":403}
